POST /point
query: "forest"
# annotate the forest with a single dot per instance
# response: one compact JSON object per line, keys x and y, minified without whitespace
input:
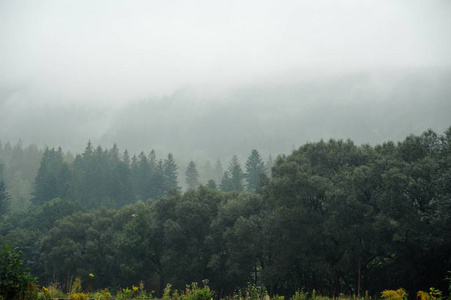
{"x":332,"y":216}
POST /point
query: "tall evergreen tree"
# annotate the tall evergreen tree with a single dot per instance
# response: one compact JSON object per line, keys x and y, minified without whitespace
{"x":126,"y":158}
{"x":46,"y":186}
{"x":122,"y":189}
{"x":254,"y":168}
{"x":144,"y":175}
{"x":89,"y":150}
{"x":158,"y":181}
{"x":170,"y":173}
{"x":236,"y":174}
{"x":152,"y":160}
{"x":226,"y":184}
{"x":192,"y":176}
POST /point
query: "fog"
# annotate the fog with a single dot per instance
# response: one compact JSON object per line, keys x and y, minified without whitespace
{"x":209,"y":79}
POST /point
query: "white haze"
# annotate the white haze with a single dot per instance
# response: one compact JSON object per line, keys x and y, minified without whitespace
{"x":72,"y":70}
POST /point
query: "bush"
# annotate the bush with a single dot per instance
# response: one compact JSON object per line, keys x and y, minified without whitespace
{"x":15,"y":279}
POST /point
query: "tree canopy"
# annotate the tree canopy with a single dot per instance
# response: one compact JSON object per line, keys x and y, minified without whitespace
{"x":334,"y":216}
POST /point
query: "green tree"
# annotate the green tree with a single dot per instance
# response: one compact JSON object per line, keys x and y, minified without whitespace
{"x":46,"y":185}
{"x":14,"y":278}
{"x":236,"y":174}
{"x":192,"y":176}
{"x":254,"y":168}
{"x":144,"y":177}
{"x":212,"y":184}
{"x":158,"y":183}
{"x":226,"y":184}
{"x":170,"y":173}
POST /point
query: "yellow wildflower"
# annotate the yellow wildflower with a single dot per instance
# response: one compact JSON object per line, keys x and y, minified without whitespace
{"x":422,"y":295}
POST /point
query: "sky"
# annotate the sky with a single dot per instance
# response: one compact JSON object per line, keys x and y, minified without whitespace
{"x":74,"y":70}
{"x":117,"y":51}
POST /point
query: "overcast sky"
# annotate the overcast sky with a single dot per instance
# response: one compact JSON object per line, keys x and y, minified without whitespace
{"x":113,"y":51}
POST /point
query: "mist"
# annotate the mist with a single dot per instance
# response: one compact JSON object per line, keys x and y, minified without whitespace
{"x":205,"y":80}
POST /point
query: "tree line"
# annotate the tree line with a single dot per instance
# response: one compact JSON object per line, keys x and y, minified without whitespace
{"x":333,"y":216}
{"x":106,"y":178}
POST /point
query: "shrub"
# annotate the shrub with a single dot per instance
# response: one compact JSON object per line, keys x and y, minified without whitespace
{"x":15,"y":280}
{"x":399,"y":294}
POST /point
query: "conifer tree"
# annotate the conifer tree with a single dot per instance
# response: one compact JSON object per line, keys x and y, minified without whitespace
{"x":126,"y":158}
{"x":170,"y":173}
{"x":114,"y":155}
{"x":89,"y":150}
{"x":158,"y":181}
{"x":236,"y":174}
{"x":254,"y":168}
{"x":192,"y":176}
{"x":226,"y":182}
{"x":143,"y":178}
{"x":46,"y":186}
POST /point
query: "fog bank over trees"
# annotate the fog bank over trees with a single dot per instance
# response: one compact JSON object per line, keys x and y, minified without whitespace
{"x":273,"y":116}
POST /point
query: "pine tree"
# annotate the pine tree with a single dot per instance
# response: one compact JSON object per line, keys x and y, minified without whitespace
{"x":192,"y":176}
{"x":254,"y":168}
{"x":158,"y":181}
{"x":114,"y":155}
{"x":46,"y":185}
{"x":5,"y":199}
{"x":236,"y":174}
{"x":152,"y":160}
{"x":126,"y":158}
{"x":170,"y":173}
{"x":144,"y":177}
{"x":226,"y":182}
{"x":89,"y":150}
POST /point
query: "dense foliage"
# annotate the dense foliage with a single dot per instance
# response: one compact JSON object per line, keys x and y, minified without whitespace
{"x":334,"y":216}
{"x":14,"y":278}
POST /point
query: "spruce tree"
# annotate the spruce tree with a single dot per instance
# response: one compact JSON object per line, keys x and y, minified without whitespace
{"x":192,"y":176}
{"x":226,"y":182}
{"x":158,"y":181}
{"x":170,"y":173}
{"x":236,"y":174}
{"x":126,"y":158}
{"x":144,"y":177}
{"x":254,"y":168}
{"x":46,"y":186}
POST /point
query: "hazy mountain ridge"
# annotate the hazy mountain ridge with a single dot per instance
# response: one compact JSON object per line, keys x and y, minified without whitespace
{"x":368,"y":107}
